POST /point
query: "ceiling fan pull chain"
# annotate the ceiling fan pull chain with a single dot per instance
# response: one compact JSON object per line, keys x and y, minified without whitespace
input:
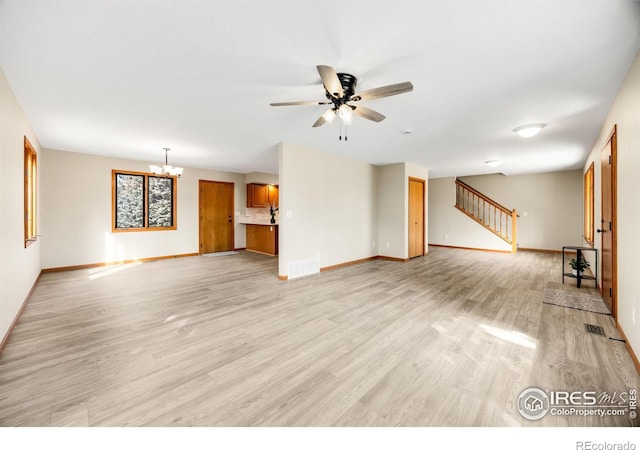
{"x":340,"y":138}
{"x":345,"y":134}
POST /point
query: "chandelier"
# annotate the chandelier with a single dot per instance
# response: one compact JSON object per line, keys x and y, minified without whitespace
{"x":166,"y":170}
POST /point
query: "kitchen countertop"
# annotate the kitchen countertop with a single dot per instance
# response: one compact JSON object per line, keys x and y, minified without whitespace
{"x":256,"y":222}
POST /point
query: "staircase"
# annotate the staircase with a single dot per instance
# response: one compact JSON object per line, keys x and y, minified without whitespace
{"x":490,"y":214}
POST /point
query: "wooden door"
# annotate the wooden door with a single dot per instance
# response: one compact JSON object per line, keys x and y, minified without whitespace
{"x":416,"y":217}
{"x":216,"y":216}
{"x":607,"y":228}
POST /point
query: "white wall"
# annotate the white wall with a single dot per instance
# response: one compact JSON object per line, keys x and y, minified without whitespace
{"x":448,"y":226}
{"x":625,"y":112}
{"x":393,"y":208}
{"x":19,"y":266}
{"x":392,"y":218}
{"x":261,"y":178}
{"x":76,"y":212}
{"x":549,"y":204}
{"x":332,"y":202}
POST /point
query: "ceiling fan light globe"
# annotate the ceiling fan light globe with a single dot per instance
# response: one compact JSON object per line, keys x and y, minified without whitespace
{"x":329,"y":115}
{"x":345,"y":114}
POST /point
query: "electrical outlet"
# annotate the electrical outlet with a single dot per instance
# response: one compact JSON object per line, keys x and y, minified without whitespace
{"x":388,"y":245}
{"x":373,"y":244}
{"x":446,"y":236}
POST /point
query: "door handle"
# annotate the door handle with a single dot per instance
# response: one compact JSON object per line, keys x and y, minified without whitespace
{"x":601,"y":231}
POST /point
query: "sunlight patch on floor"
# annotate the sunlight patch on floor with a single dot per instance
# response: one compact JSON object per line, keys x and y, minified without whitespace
{"x":101,"y":272}
{"x":511,"y":336}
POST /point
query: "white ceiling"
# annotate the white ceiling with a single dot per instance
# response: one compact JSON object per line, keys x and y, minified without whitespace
{"x":128,"y":78}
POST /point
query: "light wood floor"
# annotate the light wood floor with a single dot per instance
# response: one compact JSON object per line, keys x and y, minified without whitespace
{"x":448,"y":339}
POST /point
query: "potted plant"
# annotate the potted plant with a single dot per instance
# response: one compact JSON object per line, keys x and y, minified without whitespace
{"x":272,"y":211}
{"x":578,"y":265}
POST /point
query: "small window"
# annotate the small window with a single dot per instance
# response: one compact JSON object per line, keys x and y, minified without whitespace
{"x":588,"y":205}
{"x":30,"y":193}
{"x":142,"y":202}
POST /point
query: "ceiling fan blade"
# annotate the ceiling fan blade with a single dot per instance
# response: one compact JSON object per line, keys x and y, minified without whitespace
{"x":384,"y":91}
{"x":299,"y":103}
{"x":368,"y":113}
{"x":331,"y":81}
{"x":319,"y":122}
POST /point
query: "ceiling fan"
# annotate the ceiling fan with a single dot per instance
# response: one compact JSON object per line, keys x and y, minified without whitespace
{"x":340,"y":92}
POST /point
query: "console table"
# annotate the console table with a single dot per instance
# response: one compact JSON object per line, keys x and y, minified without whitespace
{"x":580,"y":277}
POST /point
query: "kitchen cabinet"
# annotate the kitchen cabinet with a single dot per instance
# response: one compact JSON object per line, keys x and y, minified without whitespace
{"x":262,"y":239}
{"x":272,"y":195}
{"x":257,"y":195}
{"x":261,"y":195}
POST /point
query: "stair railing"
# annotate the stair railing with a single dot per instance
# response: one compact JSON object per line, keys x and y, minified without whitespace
{"x":496,"y":218}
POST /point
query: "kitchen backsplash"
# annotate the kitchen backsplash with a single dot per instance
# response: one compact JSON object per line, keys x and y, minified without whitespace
{"x":260,"y":214}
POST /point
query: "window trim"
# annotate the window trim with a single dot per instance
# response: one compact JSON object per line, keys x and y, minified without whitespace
{"x":588,"y":196}
{"x":145,"y":194}
{"x":30,"y":194}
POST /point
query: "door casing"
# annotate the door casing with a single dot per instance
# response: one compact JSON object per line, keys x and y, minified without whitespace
{"x":608,"y":222}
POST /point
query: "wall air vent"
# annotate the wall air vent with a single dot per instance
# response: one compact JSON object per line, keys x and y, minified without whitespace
{"x":303,"y":267}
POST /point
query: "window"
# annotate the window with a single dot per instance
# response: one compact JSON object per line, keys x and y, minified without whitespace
{"x":142,"y":202}
{"x":588,"y":205}
{"x":30,"y":193}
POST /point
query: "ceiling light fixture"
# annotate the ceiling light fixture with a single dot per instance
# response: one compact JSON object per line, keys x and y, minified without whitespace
{"x":493,"y":163}
{"x":329,"y":115}
{"x":529,"y":130}
{"x":166,"y":170}
{"x":346,"y":114}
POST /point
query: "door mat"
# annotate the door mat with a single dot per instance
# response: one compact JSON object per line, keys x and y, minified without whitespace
{"x":575,"y":300}
{"x":221,"y":254}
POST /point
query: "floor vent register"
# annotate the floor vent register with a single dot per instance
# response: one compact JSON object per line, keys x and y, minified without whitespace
{"x":594,"y":329}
